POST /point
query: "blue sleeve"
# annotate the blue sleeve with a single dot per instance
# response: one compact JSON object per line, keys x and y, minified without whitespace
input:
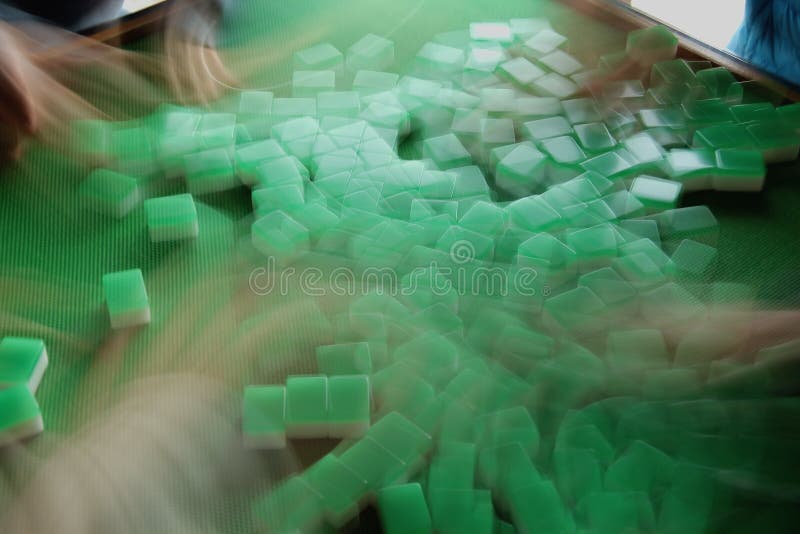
{"x":769,"y":37}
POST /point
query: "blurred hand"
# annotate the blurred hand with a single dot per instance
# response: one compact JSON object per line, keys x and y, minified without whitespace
{"x":17,"y":112}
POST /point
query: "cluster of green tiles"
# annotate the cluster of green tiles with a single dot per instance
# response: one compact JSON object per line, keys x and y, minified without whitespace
{"x":544,"y":365}
{"x":307,"y":407}
{"x":23,"y":362}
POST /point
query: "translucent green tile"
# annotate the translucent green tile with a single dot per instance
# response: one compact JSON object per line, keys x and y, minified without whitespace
{"x":723,"y":136}
{"x":484,"y":218}
{"x":790,"y":114}
{"x":640,"y":270}
{"x":520,"y":71}
{"x":171,"y":151}
{"x":717,"y":81}
{"x":171,"y":218}
{"x":615,"y":165}
{"x":22,"y":361}
{"x":575,"y":310}
{"x":641,"y":468}
{"x":466,"y":245}
{"x":452,"y":467}
{"x":693,"y":258}
{"x":609,"y":512}
{"x":505,"y":469}
{"x":306,"y":406}
{"x":537,"y":107}
{"x":499,"y":32}
{"x":323,"y":56}
{"x":533,"y":214}
{"x":402,"y":438}
{"x":693,"y":168}
{"x":543,"y":42}
{"x":554,"y":84}
{"x":776,"y":141}
{"x":673,"y":71}
{"x":282,"y":170}
{"x":650,"y":45}
{"x":539,"y":508}
{"x":348,"y":406}
{"x":371,"y":52}
{"x":110,"y":192}
{"x":20,"y":416}
{"x":403,"y":510}
{"x":656,"y":193}
{"x":482,"y":59}
{"x":279,"y":235}
{"x":370,"y":81}
{"x":439,"y":60}
{"x":644,"y":149}
{"x":467,"y":124}
{"x":607,"y":284}
{"x":126,"y":298}
{"x":470,"y":183}
{"x":497,"y":101}
{"x":546,"y":128}
{"x":561,"y":62}
{"x":595,"y":137}
{"x":710,"y":111}
{"x":292,"y":108}
{"x":581,"y":110}
{"x":525,"y":28}
{"x":263,"y":417}
{"x":739,"y":170}
{"x":761,"y":111}
{"x":564,"y":150}
{"x":515,"y":425}
{"x":374,"y":464}
{"x":650,"y":248}
{"x":668,"y":137}
{"x":308,"y":83}
{"x":521,"y":172}
{"x":695,"y":222}
{"x":671,"y":303}
{"x":252,"y":155}
{"x":592,"y":244}
{"x":446,"y":152}
{"x":210,"y":171}
{"x":578,"y":472}
{"x":462,"y":511}
{"x":662,"y":118}
{"x":293,"y":505}
{"x":341,"y":491}
{"x":629,"y":92}
{"x":546,"y":252}
{"x":344,"y":359}
{"x":255,"y":103}
{"x":646,"y":228}
{"x":340,"y":104}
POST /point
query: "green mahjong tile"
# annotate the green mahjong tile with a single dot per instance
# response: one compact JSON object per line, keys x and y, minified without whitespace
{"x":404,"y":510}
{"x":110,"y":192}
{"x":20,"y":416}
{"x":263,"y":424}
{"x":22,"y":361}
{"x":171,"y":218}
{"x":656,"y":193}
{"x":650,"y":45}
{"x":126,"y":298}
{"x":306,"y":406}
{"x":371,"y":52}
{"x":446,"y":152}
{"x":318,"y":57}
{"x":348,"y":406}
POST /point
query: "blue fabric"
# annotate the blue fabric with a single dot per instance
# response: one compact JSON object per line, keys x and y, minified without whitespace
{"x":769,"y":37}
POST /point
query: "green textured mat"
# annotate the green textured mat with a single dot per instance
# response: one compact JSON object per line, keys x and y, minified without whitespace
{"x":53,"y":254}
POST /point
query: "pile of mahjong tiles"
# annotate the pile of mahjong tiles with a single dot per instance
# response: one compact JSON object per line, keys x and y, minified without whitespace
{"x":527,"y":218}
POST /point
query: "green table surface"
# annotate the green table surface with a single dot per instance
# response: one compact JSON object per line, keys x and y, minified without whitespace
{"x":53,"y":254}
